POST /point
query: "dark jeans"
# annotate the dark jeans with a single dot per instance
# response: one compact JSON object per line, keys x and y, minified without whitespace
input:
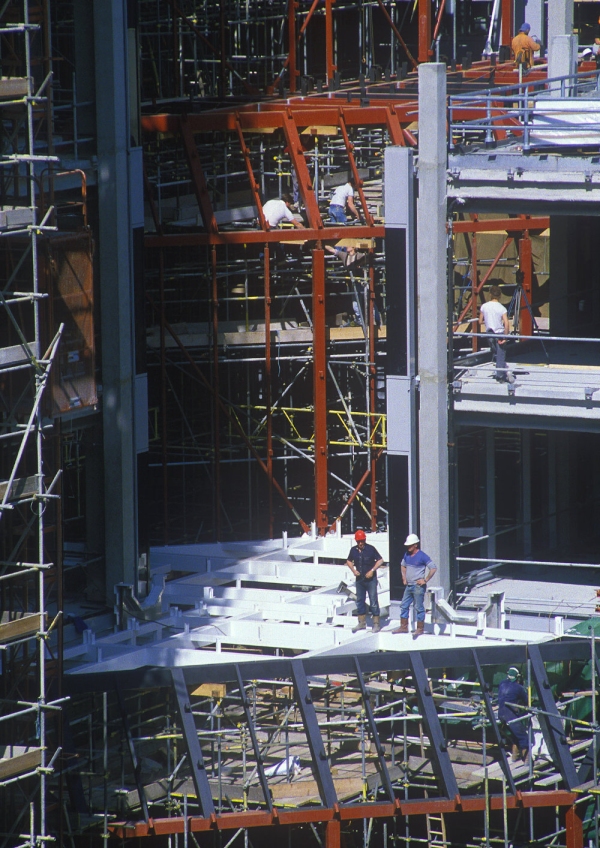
{"x":415,"y":593}
{"x":364,"y":587}
{"x":499,"y":354}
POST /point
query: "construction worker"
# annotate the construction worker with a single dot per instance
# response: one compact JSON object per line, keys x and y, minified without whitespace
{"x":363,"y":561}
{"x":510,"y":691}
{"x":278,"y":210}
{"x":523,"y":47}
{"x":417,"y":570}
{"x":495,"y":317}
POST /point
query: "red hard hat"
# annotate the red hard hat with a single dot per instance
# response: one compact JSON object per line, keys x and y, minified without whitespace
{"x":360,"y":536}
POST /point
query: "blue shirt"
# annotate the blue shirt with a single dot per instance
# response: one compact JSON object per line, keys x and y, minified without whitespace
{"x":364,"y":560}
{"x":416,"y":566}
{"x":514,"y":693}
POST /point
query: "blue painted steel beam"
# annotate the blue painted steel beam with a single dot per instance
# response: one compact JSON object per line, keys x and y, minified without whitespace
{"x":320,"y":765}
{"x":552,"y":723}
{"x":257,"y":752}
{"x":192,"y":743}
{"x":382,"y":767}
{"x":485,"y":695}
{"x":440,"y":759}
{"x":136,"y":765}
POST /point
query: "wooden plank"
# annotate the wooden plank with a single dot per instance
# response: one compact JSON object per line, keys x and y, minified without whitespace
{"x":22,"y":487}
{"x":14,"y":87}
{"x":17,"y":759}
{"x":27,"y":625}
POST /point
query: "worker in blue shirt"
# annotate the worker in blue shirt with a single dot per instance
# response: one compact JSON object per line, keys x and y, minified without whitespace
{"x":510,"y":691}
{"x":363,"y":561}
{"x":417,"y":570}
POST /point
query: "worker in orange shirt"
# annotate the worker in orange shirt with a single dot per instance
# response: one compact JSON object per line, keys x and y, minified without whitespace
{"x":523,"y":47}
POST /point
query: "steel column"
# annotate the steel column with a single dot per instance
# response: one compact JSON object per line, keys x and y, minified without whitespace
{"x":256,"y":747}
{"x":424,"y":12}
{"x":383,"y":771}
{"x":136,"y":765}
{"x":574,"y":827}
{"x":551,"y":722}
{"x":440,"y":759}
{"x":292,"y":5}
{"x":507,"y":25}
{"x":192,"y":743}
{"x":321,"y":770}
{"x":492,"y":720}
{"x":526,"y":275}
{"x":216,"y":395}
{"x":320,"y":389}
{"x":333,"y":834}
{"x":268,"y":387}
{"x":331,"y":68}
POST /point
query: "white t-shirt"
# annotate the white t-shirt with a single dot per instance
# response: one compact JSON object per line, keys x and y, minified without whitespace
{"x":341,"y":194}
{"x":275,"y":211}
{"x":492,"y":312}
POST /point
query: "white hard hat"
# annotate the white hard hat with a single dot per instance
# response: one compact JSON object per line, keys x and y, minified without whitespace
{"x":411,"y":539}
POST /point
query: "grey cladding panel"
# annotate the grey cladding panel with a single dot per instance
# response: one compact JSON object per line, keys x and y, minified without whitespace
{"x":400,"y":399}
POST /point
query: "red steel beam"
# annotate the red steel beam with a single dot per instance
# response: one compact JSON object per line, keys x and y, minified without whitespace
{"x":506,"y":22}
{"x":526,"y":274}
{"x":320,"y":388}
{"x":506,"y":225}
{"x":198,"y":178}
{"x":292,"y":6}
{"x":259,"y":237}
{"x":253,"y":184}
{"x":349,"y":148}
{"x":331,"y":68}
{"x":424,"y":11}
{"x":486,"y":277}
{"x":305,"y":185}
{"x":333,"y":834}
{"x":460,"y":804}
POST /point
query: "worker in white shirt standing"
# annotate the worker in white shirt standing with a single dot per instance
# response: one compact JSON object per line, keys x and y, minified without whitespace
{"x":343,"y":196}
{"x":495,"y":317}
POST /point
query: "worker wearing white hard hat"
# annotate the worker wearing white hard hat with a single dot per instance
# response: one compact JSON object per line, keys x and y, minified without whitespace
{"x":417,"y":570}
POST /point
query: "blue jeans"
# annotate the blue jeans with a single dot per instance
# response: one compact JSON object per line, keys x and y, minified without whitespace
{"x":415,"y":593}
{"x":499,"y":355}
{"x":364,"y":587}
{"x":337,"y":214}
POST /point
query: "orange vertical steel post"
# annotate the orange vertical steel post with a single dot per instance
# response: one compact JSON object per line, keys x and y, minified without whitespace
{"x":320,"y":388}
{"x":333,"y":834}
{"x":216,"y":414}
{"x":506,"y":23}
{"x":329,"y":39}
{"x":424,"y":8}
{"x":372,"y":393}
{"x":525,"y":271}
{"x":292,"y":44}
{"x":268,"y":391}
{"x":574,"y":827}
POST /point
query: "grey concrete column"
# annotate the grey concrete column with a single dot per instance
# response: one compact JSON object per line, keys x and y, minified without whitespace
{"x":535,"y":17}
{"x":433,"y":319}
{"x":490,"y":491}
{"x":562,"y":60}
{"x":117,"y":292}
{"x":560,"y":19}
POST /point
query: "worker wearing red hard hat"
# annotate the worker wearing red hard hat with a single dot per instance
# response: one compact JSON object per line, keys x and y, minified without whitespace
{"x":364,"y":560}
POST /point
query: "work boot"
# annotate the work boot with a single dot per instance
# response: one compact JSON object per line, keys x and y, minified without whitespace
{"x":376,"y":627}
{"x":403,"y":626}
{"x":420,"y":628}
{"x":362,"y":624}
{"x":525,"y":755}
